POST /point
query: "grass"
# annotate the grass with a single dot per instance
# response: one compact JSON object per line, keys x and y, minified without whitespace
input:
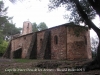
{"x":15,"y":73}
{"x":22,"y":60}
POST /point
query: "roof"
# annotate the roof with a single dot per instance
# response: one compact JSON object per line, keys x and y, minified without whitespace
{"x":66,"y":24}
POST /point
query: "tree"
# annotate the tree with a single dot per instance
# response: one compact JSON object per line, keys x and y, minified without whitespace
{"x":4,"y":27}
{"x":94,"y":45}
{"x":77,"y":6}
{"x":9,"y":29}
{"x":3,"y":46}
{"x":3,"y":12}
{"x":84,"y":17}
{"x":34,"y":27}
{"x":41,"y":26}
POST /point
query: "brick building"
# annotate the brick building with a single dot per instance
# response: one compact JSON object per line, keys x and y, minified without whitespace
{"x":65,"y":41}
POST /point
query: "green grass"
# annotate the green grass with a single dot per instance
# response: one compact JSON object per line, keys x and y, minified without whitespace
{"x":22,"y":60}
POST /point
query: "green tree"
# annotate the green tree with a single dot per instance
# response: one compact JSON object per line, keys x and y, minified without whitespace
{"x":34,"y":27}
{"x":80,"y":9}
{"x":42,"y":26}
{"x":3,"y":12}
{"x":3,"y":46}
{"x":3,"y":20}
{"x":9,"y":29}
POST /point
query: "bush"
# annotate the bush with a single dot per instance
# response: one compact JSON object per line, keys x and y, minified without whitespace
{"x":3,"y":46}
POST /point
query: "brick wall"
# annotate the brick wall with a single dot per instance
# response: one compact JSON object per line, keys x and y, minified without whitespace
{"x":21,"y":42}
{"x":76,"y":43}
{"x":27,"y":28}
{"x":40,"y":37}
{"x":66,"y":42}
{"x":58,"y":50}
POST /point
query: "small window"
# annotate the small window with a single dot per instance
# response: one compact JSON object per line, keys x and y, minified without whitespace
{"x":56,"y":39}
{"x":28,"y":25}
{"x":41,"y":42}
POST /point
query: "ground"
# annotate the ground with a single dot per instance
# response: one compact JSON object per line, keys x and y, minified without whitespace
{"x":43,"y":67}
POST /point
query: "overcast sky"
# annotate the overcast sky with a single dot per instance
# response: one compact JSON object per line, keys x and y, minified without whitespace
{"x":37,"y":11}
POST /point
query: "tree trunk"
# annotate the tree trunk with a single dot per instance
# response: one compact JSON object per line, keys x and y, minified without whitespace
{"x":96,"y":5}
{"x":96,"y":29}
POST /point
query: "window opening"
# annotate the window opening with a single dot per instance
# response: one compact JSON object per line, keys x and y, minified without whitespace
{"x":56,"y":39}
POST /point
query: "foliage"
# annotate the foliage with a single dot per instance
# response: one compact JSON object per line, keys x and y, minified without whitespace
{"x":94,"y":45}
{"x":10,"y":29}
{"x":3,"y":46}
{"x":6,"y":29}
{"x":34,"y":27}
{"x":41,"y":26}
{"x":69,"y":5}
{"x":93,"y":8}
{"x":3,"y":12}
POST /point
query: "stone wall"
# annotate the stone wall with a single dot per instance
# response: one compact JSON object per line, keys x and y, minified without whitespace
{"x":40,"y":37}
{"x":77,"y":43}
{"x":21,"y":42}
{"x":65,"y":42}
{"x":58,"y":43}
{"x":27,"y":28}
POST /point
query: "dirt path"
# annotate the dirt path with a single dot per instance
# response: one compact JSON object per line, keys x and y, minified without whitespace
{"x":41,"y":67}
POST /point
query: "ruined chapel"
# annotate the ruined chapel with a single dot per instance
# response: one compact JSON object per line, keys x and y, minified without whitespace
{"x":67,"y":41}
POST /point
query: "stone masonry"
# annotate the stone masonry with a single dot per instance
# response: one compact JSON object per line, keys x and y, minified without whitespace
{"x":67,"y":41}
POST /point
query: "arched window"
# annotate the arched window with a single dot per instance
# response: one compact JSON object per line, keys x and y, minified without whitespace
{"x":28,"y":25}
{"x":55,"y":39}
{"x":85,"y":40}
{"x":41,"y":42}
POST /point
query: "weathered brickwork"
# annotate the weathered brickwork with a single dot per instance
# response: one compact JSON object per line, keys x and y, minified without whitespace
{"x":68,"y":42}
{"x":27,"y":28}
{"x":40,"y":37}
{"x":58,"y":50}
{"x":78,"y":45}
{"x":21,"y":42}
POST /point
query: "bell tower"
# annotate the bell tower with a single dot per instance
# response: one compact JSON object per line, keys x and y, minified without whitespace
{"x":27,"y":28}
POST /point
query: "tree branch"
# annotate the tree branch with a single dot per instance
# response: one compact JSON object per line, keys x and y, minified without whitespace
{"x":96,"y":5}
{"x":85,"y":17}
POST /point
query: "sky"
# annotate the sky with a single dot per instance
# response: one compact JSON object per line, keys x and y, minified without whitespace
{"x":37,"y":11}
